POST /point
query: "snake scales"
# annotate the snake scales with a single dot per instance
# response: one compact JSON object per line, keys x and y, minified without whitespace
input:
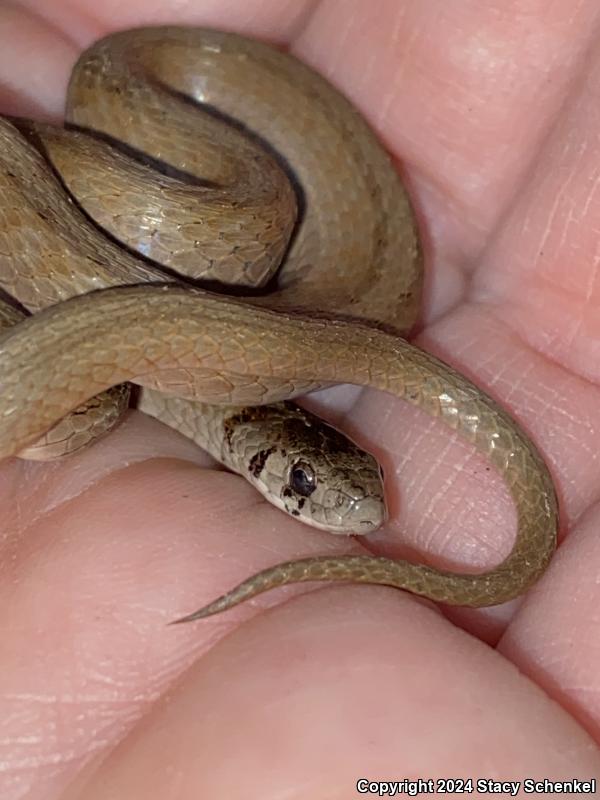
{"x":223,"y":209}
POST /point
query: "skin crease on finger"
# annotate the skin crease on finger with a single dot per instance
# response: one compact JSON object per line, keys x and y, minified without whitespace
{"x":84,"y":604}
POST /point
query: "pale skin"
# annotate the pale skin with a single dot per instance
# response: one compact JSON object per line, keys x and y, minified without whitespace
{"x":492,"y":109}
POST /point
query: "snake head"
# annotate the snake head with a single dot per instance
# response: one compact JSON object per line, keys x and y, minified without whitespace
{"x":309,"y":469}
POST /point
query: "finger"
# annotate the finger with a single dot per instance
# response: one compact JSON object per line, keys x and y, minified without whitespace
{"x":463,"y":92}
{"x":547,"y":292}
{"x":384,"y":693}
{"x":450,"y":507}
{"x":86,"y":21}
{"x":38,"y":90}
{"x":555,"y":639}
{"x":89,"y":585}
{"x":540,"y":279}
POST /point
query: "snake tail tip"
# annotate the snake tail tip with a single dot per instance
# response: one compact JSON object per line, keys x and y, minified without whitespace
{"x":201,"y":614}
{"x":216,"y":607}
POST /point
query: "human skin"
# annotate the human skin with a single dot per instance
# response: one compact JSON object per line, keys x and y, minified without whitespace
{"x":491,"y":109}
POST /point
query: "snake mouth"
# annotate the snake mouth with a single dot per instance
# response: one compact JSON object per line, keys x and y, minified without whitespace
{"x":355,"y":517}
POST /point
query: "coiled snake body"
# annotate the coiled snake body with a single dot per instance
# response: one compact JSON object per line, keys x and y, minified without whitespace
{"x":224,"y":210}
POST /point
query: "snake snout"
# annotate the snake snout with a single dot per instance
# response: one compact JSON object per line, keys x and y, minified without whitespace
{"x":366,"y":515}
{"x":354,"y":510}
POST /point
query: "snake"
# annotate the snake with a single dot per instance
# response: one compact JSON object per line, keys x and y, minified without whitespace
{"x":193,"y":159}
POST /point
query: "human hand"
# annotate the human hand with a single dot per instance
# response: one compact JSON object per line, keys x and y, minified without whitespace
{"x":491,"y":112}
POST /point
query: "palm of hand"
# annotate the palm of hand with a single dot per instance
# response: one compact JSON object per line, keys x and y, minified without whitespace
{"x":489,"y":113}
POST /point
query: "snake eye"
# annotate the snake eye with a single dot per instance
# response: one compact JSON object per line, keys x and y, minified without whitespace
{"x":302,"y":479}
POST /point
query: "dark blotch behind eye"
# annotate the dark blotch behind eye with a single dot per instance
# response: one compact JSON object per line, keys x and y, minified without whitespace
{"x":302,"y":479}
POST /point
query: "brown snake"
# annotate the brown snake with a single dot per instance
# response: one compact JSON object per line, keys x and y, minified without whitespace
{"x":351,"y":273}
